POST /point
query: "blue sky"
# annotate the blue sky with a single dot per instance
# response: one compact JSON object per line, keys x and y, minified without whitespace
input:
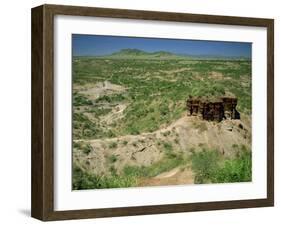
{"x":97,"y":45}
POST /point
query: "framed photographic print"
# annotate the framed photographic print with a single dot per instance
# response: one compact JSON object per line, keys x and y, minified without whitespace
{"x":141,"y":112}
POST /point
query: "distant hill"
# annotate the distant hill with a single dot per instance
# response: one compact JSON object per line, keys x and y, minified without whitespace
{"x":129,"y":52}
{"x":136,"y":53}
{"x":140,"y":54}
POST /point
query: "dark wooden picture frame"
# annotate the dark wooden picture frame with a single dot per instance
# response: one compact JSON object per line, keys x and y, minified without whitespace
{"x":42,"y":203}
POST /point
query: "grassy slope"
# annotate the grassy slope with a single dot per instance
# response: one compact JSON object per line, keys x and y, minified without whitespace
{"x":157,"y":89}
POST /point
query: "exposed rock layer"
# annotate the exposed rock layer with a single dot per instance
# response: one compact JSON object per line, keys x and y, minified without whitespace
{"x":213,"y":109}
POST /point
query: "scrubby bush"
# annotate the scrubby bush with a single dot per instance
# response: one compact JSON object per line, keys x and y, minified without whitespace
{"x":204,"y":164}
{"x":84,"y":127}
{"x":87,"y":149}
{"x":112,"y":158}
{"x":235,"y":170}
{"x":134,"y":131}
{"x":80,"y":100}
{"x":125,"y":142}
{"x":209,"y":167}
{"x":167,"y":146}
{"x":112,"y":145}
{"x":84,"y":180}
{"x":110,"y":99}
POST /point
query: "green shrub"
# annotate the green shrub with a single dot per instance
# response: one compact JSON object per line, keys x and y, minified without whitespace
{"x":110,"y":134}
{"x":125,"y":142}
{"x":112,"y":145}
{"x":83,"y":180}
{"x":110,"y":99}
{"x":112,"y":158}
{"x":235,"y":170}
{"x":134,"y":131}
{"x":87,"y":149}
{"x":167,"y":133}
{"x":209,"y":167}
{"x":113,"y":171}
{"x":103,"y":99}
{"x":218,"y":89}
{"x":80,"y":100}
{"x":168,"y":146}
{"x":78,"y":145}
{"x":204,"y":164}
{"x":84,"y":127}
{"x":99,"y":111}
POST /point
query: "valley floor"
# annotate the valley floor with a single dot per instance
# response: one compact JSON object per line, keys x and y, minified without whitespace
{"x":131,"y":128}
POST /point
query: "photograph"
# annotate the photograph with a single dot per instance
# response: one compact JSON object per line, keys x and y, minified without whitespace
{"x":140,"y":112}
{"x":152,"y":111}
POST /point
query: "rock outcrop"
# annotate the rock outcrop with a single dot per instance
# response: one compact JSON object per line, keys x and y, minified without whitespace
{"x":213,"y":109}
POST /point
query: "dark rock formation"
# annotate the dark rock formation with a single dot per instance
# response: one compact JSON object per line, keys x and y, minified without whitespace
{"x":213,"y":109}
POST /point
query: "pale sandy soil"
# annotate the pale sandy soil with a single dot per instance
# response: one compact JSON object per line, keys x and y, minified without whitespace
{"x":187,"y":134}
{"x":176,"y":176}
{"x":144,"y":149}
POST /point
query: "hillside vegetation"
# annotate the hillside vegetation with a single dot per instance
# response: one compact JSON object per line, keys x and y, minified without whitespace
{"x":130,"y":123}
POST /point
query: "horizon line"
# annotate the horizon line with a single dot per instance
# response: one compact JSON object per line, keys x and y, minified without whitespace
{"x":160,"y":50}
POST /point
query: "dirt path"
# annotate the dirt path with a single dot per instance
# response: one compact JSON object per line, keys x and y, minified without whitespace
{"x":176,"y":176}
